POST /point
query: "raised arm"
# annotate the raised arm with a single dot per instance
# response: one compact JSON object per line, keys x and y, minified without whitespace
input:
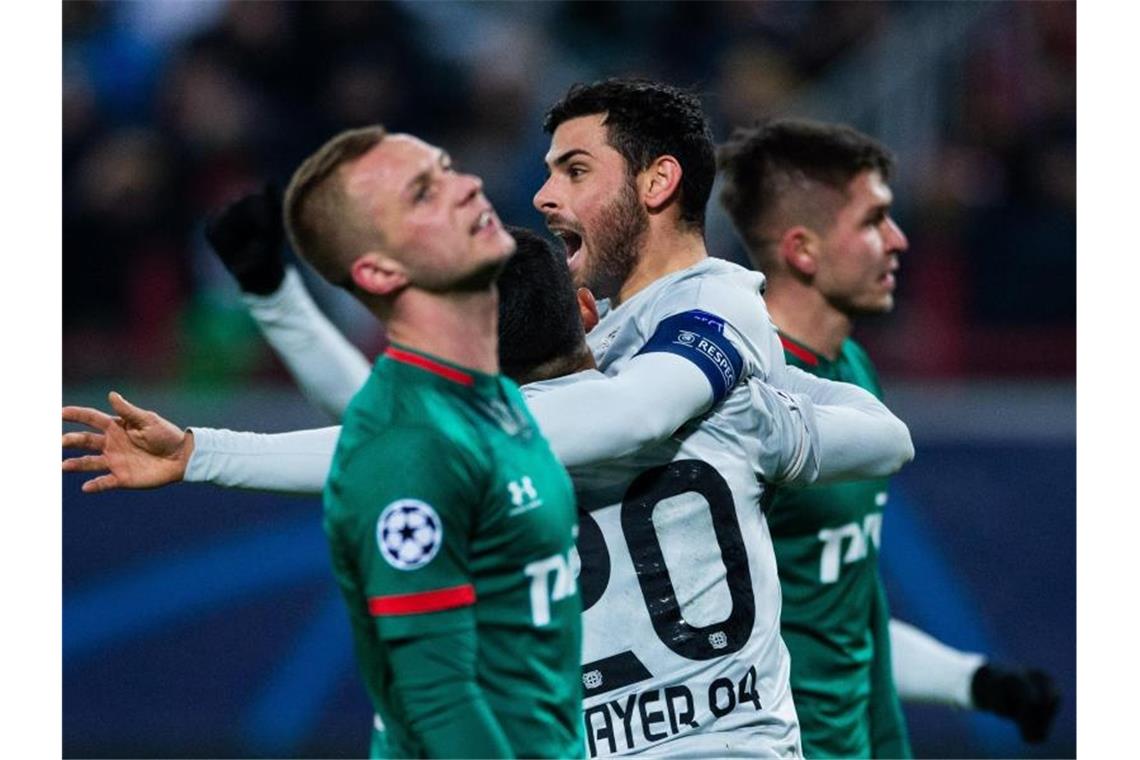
{"x":247,"y":237}
{"x":328,"y":369}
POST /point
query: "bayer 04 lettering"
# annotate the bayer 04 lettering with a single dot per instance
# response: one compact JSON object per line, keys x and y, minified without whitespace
{"x":664,"y":712}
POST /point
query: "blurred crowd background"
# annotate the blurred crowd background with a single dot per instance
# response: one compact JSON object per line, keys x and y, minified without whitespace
{"x":200,"y":622}
{"x":171,"y":109}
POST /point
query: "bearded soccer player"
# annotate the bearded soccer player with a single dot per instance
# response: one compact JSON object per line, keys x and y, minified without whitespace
{"x":811,"y":201}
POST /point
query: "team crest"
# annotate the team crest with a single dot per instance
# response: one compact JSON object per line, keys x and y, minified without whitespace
{"x":409,"y":533}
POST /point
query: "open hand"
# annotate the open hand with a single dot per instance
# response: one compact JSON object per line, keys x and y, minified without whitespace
{"x":135,"y":449}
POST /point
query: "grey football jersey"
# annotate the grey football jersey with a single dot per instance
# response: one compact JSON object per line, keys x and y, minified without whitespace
{"x":681,"y":602}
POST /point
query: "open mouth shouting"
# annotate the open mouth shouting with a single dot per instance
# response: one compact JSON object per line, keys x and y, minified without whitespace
{"x":571,"y":241}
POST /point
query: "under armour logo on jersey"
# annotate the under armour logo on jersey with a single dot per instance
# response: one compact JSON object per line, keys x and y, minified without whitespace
{"x":523,"y":495}
{"x":409,"y":533}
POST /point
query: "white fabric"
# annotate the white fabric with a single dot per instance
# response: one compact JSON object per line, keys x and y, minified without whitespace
{"x":328,"y":369}
{"x":605,"y":418}
{"x":684,"y":540}
{"x":926,"y":670}
{"x":296,"y":462}
{"x":858,"y":436}
{"x":713,"y":285}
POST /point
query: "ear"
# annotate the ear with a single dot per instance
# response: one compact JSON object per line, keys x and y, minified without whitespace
{"x":660,"y":182}
{"x":588,"y":309}
{"x":799,"y":248}
{"x":375,"y":273}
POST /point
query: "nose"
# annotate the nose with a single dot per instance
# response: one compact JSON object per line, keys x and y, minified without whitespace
{"x":543,"y":200}
{"x":470,"y":187}
{"x":896,"y":238}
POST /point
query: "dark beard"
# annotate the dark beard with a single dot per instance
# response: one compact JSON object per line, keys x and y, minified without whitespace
{"x":614,"y":249}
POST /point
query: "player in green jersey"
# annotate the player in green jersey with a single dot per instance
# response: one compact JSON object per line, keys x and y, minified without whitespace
{"x":450,"y":521}
{"x":812,"y":204}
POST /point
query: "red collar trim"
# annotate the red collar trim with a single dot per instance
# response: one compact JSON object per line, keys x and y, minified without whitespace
{"x":799,"y":352}
{"x":424,"y":363}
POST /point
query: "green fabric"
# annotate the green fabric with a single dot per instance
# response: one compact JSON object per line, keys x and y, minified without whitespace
{"x":470,"y":454}
{"x":834,"y":618}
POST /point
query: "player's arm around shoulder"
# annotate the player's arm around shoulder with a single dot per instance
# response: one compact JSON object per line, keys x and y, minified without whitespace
{"x":859,"y":436}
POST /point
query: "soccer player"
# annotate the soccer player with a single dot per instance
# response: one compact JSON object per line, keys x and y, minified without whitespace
{"x":811,"y":202}
{"x":464,"y":609}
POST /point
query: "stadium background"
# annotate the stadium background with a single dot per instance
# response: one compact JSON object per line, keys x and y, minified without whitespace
{"x":199,"y":622}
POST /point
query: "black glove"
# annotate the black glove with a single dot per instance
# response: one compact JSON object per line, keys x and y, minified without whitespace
{"x":247,"y":236}
{"x":1027,"y":697}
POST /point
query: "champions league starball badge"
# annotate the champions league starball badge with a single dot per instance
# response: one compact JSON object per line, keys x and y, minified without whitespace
{"x":409,"y":533}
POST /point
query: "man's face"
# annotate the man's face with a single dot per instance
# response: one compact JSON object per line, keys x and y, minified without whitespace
{"x":592,"y":204}
{"x":860,"y":252}
{"x":434,"y":220}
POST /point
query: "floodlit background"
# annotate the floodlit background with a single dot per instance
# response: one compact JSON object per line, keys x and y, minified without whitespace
{"x":199,"y":622}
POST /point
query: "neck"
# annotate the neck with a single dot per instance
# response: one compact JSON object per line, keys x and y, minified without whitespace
{"x":461,"y":328}
{"x":802,"y":313}
{"x":664,"y":250}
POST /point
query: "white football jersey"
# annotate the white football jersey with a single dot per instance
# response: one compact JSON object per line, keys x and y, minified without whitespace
{"x":681,"y":602}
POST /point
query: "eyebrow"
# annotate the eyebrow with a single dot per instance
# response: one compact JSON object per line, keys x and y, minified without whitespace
{"x":879,"y":208}
{"x":562,"y":159}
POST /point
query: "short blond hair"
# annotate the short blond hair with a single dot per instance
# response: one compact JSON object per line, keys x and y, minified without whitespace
{"x":323,"y":225}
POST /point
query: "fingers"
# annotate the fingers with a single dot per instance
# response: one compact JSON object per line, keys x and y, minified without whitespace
{"x":83,"y":440}
{"x":130,"y":413}
{"x":101,"y":483}
{"x":91,"y":463}
{"x":87,"y":416}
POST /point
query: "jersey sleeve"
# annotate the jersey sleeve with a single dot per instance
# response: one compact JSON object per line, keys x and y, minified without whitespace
{"x":858,"y":436}
{"x":736,"y":305}
{"x":404,"y":506}
{"x":295,"y":462}
{"x":328,"y":368}
{"x":605,"y":418}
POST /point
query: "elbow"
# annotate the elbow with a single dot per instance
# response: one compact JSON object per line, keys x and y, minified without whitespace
{"x":904,"y":447}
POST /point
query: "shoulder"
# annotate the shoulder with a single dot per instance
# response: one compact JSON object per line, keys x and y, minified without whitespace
{"x":720,"y":288}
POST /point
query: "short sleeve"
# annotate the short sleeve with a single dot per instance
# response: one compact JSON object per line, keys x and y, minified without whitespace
{"x":404,"y":505}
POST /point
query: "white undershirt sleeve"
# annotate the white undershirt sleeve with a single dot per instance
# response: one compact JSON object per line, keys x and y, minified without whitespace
{"x":328,"y":368}
{"x":859,"y":437}
{"x":296,"y":462}
{"x":598,"y":420}
{"x":926,"y":670}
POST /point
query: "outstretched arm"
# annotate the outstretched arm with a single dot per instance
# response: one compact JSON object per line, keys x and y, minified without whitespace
{"x":141,"y":449}
{"x":247,"y":237}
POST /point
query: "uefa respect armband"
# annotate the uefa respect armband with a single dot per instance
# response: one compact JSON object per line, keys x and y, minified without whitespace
{"x":699,"y":337}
